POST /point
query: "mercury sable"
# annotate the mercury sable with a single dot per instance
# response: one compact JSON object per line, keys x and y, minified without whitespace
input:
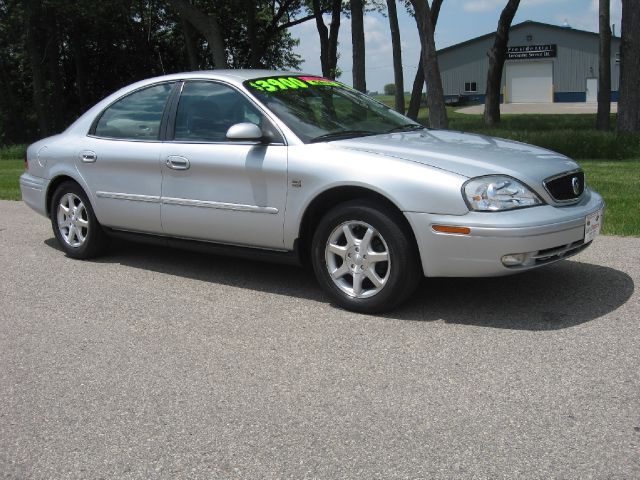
{"x":301,"y":168}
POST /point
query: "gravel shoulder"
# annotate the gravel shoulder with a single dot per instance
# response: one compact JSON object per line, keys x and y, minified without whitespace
{"x":158,"y":363}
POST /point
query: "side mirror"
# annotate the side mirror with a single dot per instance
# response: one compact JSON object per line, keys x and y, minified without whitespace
{"x":245,"y":131}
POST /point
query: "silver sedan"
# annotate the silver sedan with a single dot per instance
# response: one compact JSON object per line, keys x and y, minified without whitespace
{"x":299,"y":168}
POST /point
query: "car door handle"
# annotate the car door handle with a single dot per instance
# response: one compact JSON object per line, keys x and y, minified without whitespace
{"x":176,"y":162}
{"x":88,"y":156}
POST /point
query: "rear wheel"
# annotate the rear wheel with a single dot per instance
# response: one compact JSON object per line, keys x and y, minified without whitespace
{"x":74,"y":223}
{"x":364,"y":256}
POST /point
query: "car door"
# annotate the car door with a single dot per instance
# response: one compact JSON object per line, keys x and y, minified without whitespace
{"x":219,"y":190}
{"x":120,"y":160}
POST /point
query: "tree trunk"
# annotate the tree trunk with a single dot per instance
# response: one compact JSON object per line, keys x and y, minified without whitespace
{"x":603,"y":120}
{"x":419,"y":81}
{"x":497,"y":55}
{"x":397,"y":55}
{"x":190,"y":44}
{"x":334,"y":28}
{"x":358,"y":48}
{"x":323,"y":33}
{"x":80,"y":64}
{"x":416,"y":92}
{"x":256,"y":48}
{"x":629,"y":101}
{"x":208,"y":27}
{"x":328,"y":37}
{"x":56,"y":95}
{"x":435,"y":94}
{"x":35,"y":48}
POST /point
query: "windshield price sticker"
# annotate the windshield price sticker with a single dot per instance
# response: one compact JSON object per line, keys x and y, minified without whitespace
{"x":289,"y":83}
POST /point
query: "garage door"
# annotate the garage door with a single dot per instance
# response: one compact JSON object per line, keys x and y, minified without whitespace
{"x":530,"y":82}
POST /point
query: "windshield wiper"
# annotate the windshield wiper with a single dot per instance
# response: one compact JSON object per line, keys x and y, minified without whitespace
{"x":344,"y":134}
{"x":407,"y":127}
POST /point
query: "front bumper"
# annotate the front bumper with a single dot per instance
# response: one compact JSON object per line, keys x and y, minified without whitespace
{"x":545,"y":233}
{"x":33,"y":192}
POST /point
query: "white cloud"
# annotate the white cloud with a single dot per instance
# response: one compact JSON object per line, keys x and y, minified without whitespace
{"x":490,"y":5}
{"x":482,"y":5}
{"x":588,"y":18}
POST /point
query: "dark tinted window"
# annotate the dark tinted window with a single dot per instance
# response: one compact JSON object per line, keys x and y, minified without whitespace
{"x":206,"y":111}
{"x":136,"y":116}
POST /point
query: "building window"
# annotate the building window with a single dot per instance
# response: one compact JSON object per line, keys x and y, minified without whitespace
{"x":470,"y":87}
{"x":618,"y":57}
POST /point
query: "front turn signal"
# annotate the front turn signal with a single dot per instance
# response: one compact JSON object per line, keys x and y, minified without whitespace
{"x":450,"y":229}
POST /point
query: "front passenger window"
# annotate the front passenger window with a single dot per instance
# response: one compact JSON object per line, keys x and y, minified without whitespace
{"x":206,"y":111}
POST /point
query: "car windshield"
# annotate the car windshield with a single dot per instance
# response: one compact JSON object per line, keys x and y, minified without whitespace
{"x":318,"y":109}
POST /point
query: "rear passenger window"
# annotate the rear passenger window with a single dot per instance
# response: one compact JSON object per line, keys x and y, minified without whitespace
{"x":136,"y":116}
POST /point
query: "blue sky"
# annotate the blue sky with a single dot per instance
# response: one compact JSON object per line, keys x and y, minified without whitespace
{"x":459,"y":20}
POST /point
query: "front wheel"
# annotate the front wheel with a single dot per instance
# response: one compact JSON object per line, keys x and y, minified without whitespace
{"x":364,"y":257}
{"x":74,"y":223}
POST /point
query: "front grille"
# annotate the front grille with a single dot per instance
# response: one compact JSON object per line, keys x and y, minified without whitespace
{"x":566,"y":187}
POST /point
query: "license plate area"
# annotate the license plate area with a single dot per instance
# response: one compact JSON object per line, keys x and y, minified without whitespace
{"x":592,"y":226}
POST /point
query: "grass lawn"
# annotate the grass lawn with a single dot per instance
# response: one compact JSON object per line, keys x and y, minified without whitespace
{"x":10,"y":171}
{"x":619,"y":184}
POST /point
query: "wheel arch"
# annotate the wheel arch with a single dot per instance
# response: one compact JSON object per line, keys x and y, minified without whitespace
{"x":54,"y":184}
{"x":328,"y":199}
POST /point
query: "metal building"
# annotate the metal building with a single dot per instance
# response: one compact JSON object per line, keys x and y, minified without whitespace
{"x":545,"y":63}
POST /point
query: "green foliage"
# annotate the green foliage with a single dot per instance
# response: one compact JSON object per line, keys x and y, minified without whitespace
{"x":390,"y":89}
{"x":59,"y":57}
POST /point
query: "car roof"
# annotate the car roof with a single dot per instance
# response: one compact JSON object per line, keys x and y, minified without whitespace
{"x":236,"y":75}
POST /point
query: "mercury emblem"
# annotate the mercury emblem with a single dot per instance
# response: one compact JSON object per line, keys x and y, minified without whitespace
{"x":575,"y":183}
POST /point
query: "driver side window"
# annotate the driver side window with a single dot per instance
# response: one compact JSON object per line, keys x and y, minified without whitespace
{"x":206,"y":110}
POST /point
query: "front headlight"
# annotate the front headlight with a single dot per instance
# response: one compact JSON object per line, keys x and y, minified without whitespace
{"x":494,"y":193}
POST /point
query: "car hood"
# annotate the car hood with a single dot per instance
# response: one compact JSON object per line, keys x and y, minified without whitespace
{"x":466,"y":154}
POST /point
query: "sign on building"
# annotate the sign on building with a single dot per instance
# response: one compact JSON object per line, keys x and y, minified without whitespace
{"x":531,"y":51}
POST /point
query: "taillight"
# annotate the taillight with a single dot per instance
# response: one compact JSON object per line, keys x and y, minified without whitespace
{"x":26,"y":161}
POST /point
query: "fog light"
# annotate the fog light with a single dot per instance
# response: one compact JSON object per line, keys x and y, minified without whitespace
{"x":514,"y":259}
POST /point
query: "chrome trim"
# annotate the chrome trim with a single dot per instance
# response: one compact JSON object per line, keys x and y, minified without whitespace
{"x":563,"y":174}
{"x":187,"y":202}
{"x":129,"y":196}
{"x":571,"y":201}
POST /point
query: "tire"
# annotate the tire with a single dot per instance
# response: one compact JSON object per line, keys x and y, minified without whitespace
{"x":364,"y":256}
{"x":74,"y":223}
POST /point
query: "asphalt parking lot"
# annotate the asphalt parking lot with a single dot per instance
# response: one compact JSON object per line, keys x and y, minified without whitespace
{"x":156,"y":363}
